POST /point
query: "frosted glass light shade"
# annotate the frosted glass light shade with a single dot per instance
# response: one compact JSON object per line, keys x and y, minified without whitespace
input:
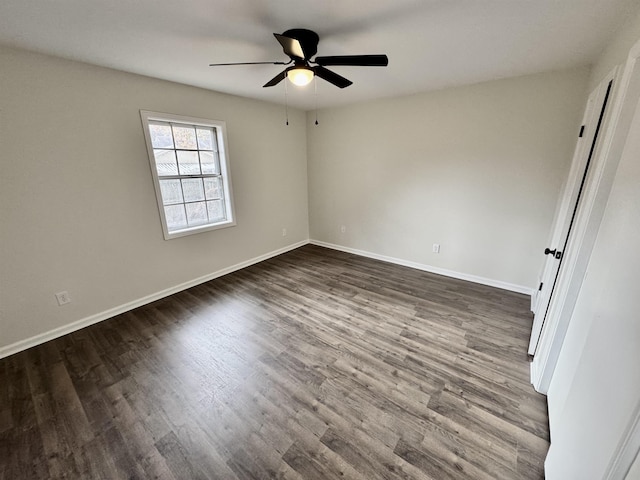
{"x":300,"y":76}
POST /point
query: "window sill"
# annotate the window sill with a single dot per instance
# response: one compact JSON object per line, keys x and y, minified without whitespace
{"x":199,"y":229}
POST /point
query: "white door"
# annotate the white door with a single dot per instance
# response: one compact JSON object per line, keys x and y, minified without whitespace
{"x":594,"y":394}
{"x":569,"y":205}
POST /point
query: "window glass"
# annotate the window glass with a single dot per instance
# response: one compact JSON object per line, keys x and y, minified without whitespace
{"x":191,"y":172}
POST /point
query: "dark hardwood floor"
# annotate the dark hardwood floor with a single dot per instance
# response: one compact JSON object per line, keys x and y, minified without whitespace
{"x":315,"y":364}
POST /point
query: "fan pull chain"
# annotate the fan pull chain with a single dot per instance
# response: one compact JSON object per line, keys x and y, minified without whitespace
{"x":315,"y":86}
{"x":286,"y":102}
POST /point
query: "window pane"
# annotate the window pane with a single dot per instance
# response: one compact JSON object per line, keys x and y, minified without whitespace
{"x":188,"y":163}
{"x":166,"y":162}
{"x":161,"y":135}
{"x":176,"y":217}
{"x":210,"y":163}
{"x":193,"y":190}
{"x":213,"y":188}
{"x":190,"y":172}
{"x":206,"y":138}
{"x":171,"y":191}
{"x":216,"y":210}
{"x":185,"y":137}
{"x":196,"y":213}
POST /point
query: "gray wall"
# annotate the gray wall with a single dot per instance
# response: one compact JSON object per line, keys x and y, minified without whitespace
{"x":476,"y":169}
{"x":79,"y":211}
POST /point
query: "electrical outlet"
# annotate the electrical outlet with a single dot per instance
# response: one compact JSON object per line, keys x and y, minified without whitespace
{"x":343,"y":229}
{"x":284,"y":232}
{"x":63,"y":298}
{"x":436,"y":248}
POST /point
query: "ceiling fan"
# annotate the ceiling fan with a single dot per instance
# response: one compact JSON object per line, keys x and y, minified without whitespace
{"x":301,"y":45}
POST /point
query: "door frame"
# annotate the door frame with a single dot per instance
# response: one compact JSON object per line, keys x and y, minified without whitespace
{"x":567,"y":204}
{"x":627,"y":451}
{"x":606,"y":158}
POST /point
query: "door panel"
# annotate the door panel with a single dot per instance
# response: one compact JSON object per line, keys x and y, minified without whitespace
{"x":569,"y":204}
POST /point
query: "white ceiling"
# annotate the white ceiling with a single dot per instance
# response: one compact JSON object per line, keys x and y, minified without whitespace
{"x":431,"y":44}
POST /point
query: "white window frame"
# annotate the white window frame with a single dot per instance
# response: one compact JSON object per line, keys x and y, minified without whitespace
{"x":220,"y":130}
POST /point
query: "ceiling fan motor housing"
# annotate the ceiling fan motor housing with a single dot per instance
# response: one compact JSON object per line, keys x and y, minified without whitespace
{"x":307,"y":38}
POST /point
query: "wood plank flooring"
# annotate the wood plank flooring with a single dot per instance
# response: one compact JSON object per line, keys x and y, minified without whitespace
{"x":315,"y":364}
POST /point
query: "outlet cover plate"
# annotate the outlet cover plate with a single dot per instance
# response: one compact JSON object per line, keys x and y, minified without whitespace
{"x":63,"y":298}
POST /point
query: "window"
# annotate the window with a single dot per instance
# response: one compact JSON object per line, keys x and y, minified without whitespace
{"x":190,"y":171}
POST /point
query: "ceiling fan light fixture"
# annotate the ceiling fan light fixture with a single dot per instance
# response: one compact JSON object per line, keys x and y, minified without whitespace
{"x":301,"y":45}
{"x":300,"y":76}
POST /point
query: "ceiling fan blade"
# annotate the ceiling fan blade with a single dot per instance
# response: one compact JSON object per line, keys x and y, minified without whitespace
{"x":276,"y":80}
{"x":355,"y":60}
{"x":248,"y":63}
{"x":291,"y":46}
{"x":331,"y":77}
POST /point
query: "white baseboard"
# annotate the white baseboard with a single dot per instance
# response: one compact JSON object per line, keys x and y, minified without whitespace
{"x":534,"y":300}
{"x":428,"y":268}
{"x":112,"y":312}
{"x":534,"y":372}
{"x":627,"y":449}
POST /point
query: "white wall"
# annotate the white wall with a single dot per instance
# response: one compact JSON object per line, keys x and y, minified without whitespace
{"x":634,"y":472}
{"x":603,"y":387}
{"x":617,"y":49}
{"x":596,"y":383}
{"x":476,"y":169}
{"x":77,"y":206}
{"x":614,"y":54}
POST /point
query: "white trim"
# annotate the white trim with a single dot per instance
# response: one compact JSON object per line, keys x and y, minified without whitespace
{"x":587,"y":224}
{"x":535,"y":297}
{"x":112,"y":312}
{"x":220,"y":129}
{"x":629,"y":447}
{"x":567,"y":203}
{"x":428,"y":268}
{"x":627,"y":450}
